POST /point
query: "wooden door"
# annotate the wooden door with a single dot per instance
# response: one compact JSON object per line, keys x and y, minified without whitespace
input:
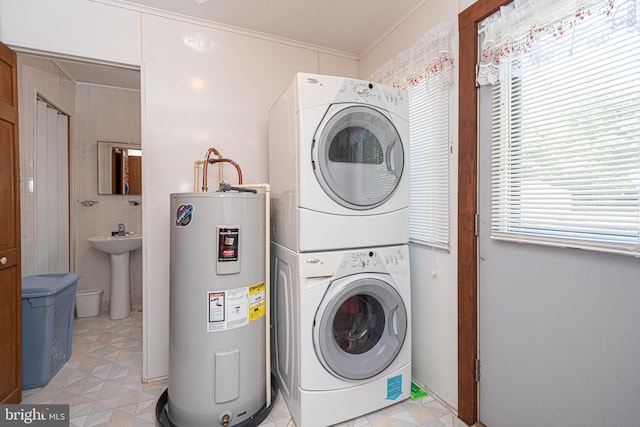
{"x":135,"y":174}
{"x":10,"y":273}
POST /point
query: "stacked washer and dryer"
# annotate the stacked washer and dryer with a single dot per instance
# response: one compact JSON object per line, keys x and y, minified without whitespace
{"x":339,"y":176}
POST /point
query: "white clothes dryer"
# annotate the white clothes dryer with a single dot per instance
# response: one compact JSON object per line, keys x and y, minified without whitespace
{"x":338,"y":164}
{"x":342,"y":333}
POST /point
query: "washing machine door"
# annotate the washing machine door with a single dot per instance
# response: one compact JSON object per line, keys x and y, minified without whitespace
{"x":360,"y":326}
{"x":357,"y":155}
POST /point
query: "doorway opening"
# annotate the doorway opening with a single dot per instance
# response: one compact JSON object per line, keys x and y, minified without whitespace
{"x":98,"y":102}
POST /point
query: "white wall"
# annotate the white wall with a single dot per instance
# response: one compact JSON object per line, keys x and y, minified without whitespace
{"x":434,"y":280}
{"x":190,"y":101}
{"x":80,"y":28}
{"x":194,"y":100}
{"x":463,"y":4}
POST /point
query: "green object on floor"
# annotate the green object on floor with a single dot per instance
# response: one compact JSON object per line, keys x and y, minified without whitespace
{"x":417,"y":392}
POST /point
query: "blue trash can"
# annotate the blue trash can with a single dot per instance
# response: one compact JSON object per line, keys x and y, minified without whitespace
{"x":48,"y":303}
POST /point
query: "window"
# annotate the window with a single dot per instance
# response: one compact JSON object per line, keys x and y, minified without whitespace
{"x":429,"y":164}
{"x":566,"y":129}
{"x":426,"y":71}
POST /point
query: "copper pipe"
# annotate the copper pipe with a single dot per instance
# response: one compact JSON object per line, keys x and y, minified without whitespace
{"x":237,"y":166}
{"x":206,"y":163}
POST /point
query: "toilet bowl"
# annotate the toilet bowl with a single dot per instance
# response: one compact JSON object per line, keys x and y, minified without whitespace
{"x":88,"y":302}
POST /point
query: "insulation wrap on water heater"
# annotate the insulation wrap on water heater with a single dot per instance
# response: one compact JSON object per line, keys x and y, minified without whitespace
{"x":217,"y":308}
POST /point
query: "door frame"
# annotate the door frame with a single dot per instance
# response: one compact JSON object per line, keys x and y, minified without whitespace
{"x":468,"y":206}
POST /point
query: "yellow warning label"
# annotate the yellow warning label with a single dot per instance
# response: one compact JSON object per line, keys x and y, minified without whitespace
{"x":257,"y":312}
{"x":257,"y":301}
{"x":258,"y":287}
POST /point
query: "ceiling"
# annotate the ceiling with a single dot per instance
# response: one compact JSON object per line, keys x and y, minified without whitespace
{"x":347,"y":27}
{"x":83,"y":72}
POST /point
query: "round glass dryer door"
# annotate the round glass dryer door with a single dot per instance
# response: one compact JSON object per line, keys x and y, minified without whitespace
{"x":360,"y":327}
{"x":358,"y":156}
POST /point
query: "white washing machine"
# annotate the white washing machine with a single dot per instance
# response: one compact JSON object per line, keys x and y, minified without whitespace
{"x":338,"y":164}
{"x":342,"y":333}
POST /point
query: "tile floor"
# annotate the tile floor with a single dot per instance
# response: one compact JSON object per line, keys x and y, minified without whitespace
{"x":102,"y":383}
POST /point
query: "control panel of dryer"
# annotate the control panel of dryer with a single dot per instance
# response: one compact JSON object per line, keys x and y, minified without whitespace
{"x":372,"y":93}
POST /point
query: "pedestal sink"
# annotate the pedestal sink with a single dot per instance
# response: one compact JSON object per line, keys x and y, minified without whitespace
{"x":118,"y":247}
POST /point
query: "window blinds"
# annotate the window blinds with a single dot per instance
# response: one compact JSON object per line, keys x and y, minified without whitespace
{"x":566,"y":138}
{"x":426,"y":71}
{"x":429,"y":164}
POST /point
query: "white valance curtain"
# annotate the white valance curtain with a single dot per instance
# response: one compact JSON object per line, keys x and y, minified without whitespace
{"x":431,"y":55}
{"x":531,"y":27}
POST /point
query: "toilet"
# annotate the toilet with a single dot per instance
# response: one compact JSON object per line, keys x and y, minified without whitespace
{"x":88,"y":302}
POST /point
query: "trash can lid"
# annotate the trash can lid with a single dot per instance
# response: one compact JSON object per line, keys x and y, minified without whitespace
{"x":41,"y":285}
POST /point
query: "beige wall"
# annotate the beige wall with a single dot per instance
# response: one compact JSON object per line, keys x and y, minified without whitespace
{"x":104,"y":114}
{"x":96,"y":113}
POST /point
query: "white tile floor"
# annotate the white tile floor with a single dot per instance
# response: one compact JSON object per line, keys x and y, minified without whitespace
{"x":102,"y":383}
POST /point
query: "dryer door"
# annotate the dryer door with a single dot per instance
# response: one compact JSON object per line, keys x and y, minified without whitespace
{"x":360,"y":326}
{"x":357,"y":155}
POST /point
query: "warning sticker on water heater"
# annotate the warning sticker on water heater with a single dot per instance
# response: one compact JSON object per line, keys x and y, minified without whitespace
{"x":216,"y":307}
{"x":234,"y":308}
{"x":257,"y":301}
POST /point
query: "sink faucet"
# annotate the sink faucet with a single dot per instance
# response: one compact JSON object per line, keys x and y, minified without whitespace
{"x":121,"y":230}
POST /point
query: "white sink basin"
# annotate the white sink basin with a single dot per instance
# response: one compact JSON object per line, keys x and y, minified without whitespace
{"x":116,"y":245}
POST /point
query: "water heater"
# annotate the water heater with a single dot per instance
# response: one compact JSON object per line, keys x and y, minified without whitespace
{"x":217,"y":308}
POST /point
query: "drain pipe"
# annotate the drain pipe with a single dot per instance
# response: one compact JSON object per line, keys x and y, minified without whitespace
{"x":267,"y":280}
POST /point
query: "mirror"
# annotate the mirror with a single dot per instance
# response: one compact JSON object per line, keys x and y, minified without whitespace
{"x":119,"y":168}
